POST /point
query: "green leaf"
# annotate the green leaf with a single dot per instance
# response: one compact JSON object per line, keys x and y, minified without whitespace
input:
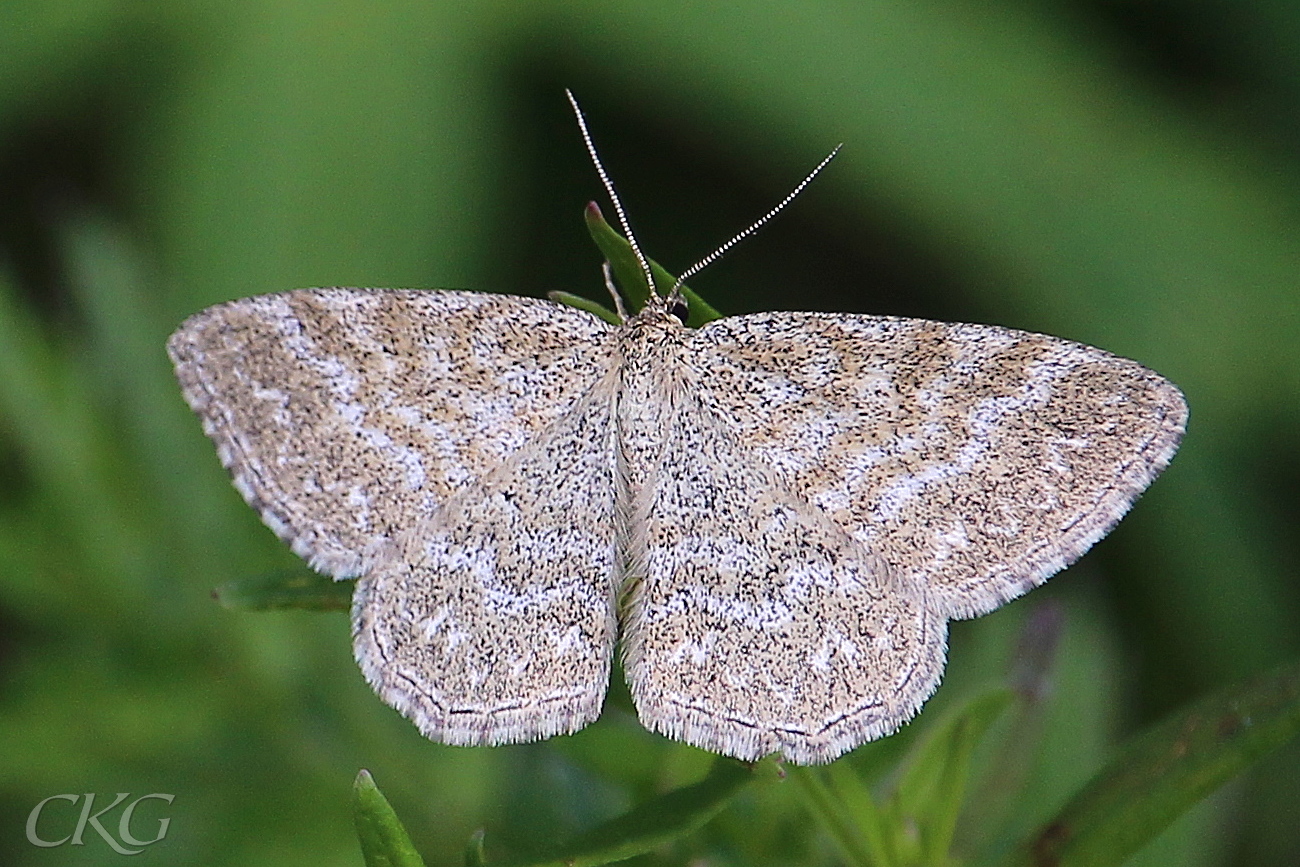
{"x":652,"y":824}
{"x":284,"y":590}
{"x":930,"y":793}
{"x":871,"y":822}
{"x":1166,"y":770}
{"x":474,"y":856}
{"x":916,"y":825}
{"x":846,"y":810}
{"x":990,"y":806}
{"x":384,"y":842}
{"x":628,"y":274}
{"x":592,"y":307}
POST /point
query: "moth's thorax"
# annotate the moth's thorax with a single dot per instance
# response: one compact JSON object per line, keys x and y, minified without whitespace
{"x":654,"y":375}
{"x":651,"y":346}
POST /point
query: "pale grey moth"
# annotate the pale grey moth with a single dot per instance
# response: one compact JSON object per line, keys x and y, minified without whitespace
{"x":775,"y":514}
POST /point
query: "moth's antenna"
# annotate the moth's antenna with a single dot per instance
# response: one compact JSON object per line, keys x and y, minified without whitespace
{"x":613,"y":196}
{"x":757,"y":224}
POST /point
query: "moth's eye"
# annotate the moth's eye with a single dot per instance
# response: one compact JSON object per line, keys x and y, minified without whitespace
{"x":679,"y":311}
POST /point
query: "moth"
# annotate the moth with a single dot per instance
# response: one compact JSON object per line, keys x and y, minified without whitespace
{"x":775,"y":515}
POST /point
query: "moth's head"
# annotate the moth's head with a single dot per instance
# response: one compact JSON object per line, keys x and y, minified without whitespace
{"x":673,"y":305}
{"x":661,"y":314}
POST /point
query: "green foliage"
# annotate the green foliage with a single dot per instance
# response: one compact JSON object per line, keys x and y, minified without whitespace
{"x":384,"y":842}
{"x":1164,"y":771}
{"x":652,"y":824}
{"x":629,"y":277}
{"x":295,"y":589}
{"x":1128,"y":803}
{"x":915,"y":824}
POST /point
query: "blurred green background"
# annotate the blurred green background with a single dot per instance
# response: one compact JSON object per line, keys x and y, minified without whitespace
{"x":1123,"y":174}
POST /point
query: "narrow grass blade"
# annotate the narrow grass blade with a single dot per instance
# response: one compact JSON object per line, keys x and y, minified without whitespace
{"x":384,"y":842}
{"x":652,"y":824}
{"x":1166,"y":770}
{"x":278,"y":591}
{"x":595,"y":309}
{"x":474,"y":856}
{"x":846,"y":811}
{"x":627,"y":272}
{"x":932,"y":789}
